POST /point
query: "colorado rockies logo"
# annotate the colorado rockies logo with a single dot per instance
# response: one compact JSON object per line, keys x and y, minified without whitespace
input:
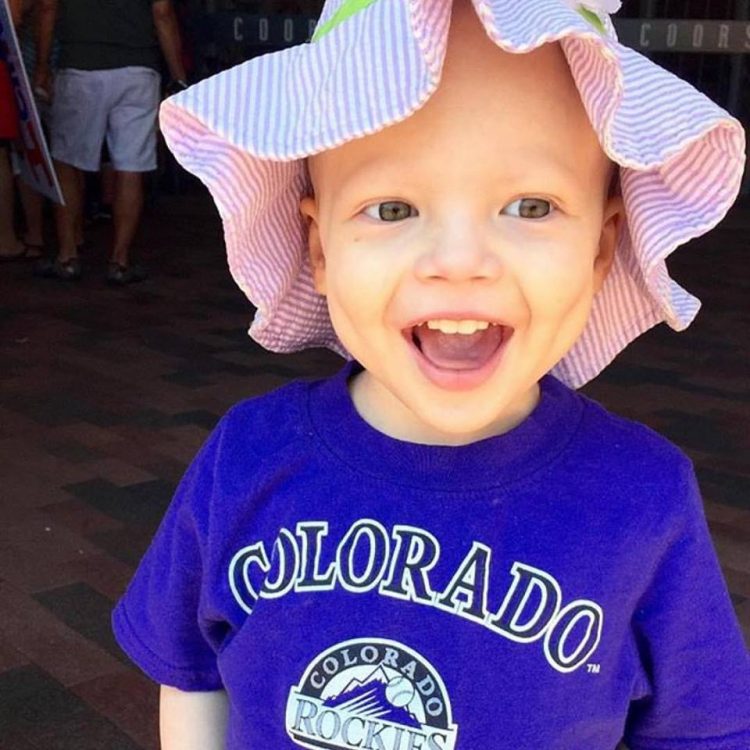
{"x":370,"y":693}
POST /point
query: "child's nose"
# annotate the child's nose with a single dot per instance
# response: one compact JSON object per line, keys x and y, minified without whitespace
{"x":459,"y":256}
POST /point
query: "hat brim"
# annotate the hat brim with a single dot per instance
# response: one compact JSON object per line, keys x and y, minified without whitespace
{"x":246,"y":132}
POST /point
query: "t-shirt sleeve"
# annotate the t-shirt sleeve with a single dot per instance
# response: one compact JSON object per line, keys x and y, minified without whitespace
{"x":158,"y":620}
{"x":691,"y":647}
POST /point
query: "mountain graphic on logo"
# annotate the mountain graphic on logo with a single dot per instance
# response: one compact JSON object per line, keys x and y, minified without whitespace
{"x":378,"y":675}
{"x":368,"y":698}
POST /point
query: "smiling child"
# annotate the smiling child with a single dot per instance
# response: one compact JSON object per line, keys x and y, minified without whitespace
{"x":444,"y":545}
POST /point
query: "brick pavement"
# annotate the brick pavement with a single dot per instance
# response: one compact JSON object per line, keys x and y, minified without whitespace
{"x":106,"y":394}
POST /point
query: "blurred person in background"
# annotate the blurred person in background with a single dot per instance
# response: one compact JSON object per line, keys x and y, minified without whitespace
{"x":31,"y":243}
{"x":11,"y":247}
{"x":31,"y":200}
{"x":107,"y":88}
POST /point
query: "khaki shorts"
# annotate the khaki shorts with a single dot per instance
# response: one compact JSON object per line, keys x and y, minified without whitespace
{"x":119,"y":104}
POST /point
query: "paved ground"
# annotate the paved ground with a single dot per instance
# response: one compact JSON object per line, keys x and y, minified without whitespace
{"x":105,"y":395}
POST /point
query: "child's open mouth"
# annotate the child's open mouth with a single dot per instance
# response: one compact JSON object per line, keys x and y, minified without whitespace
{"x":458,"y":354}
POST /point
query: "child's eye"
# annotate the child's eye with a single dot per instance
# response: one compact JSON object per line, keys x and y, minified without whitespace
{"x":390,"y":211}
{"x":531,"y":208}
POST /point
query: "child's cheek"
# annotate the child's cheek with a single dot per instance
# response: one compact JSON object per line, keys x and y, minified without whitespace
{"x":556,"y":276}
{"x":361,"y":277}
{"x":367,"y":259}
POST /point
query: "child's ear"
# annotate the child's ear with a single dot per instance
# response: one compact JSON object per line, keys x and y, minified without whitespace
{"x":309,"y":209}
{"x":612,"y":222}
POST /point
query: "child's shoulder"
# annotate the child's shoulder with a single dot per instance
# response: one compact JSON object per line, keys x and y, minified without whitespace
{"x":634,"y":459}
{"x":618,"y":433}
{"x":255,"y":438}
{"x":264,"y":423}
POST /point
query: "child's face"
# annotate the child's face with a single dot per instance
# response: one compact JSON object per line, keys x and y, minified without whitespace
{"x":489,"y":204}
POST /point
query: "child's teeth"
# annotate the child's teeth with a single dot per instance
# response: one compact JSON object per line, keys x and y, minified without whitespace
{"x":458,"y":326}
{"x":472,"y":326}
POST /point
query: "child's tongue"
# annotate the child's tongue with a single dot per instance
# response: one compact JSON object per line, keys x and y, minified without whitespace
{"x":458,"y":351}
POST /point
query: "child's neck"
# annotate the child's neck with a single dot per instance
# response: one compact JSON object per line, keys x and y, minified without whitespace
{"x":385,"y":412}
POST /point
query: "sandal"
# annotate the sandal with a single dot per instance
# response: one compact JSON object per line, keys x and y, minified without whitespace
{"x":25,"y":254}
{"x":29,"y":252}
{"x":66,"y":270}
{"x":119,"y":275}
{"x":9,"y":257}
{"x":33,"y":251}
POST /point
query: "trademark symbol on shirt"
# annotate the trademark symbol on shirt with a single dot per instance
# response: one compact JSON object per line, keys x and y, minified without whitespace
{"x":593,"y":668}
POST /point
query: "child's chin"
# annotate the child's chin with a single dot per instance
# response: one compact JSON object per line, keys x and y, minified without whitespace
{"x":461,"y":417}
{"x":452,"y":428}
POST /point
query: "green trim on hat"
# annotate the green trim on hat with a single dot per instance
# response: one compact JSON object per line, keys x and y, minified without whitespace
{"x":593,"y":19}
{"x":346,"y":10}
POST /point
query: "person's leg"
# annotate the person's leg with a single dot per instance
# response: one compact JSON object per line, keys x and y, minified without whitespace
{"x":33,"y":204}
{"x":10,"y":245}
{"x":107,"y":182}
{"x":131,"y":139}
{"x":126,"y":212}
{"x":79,"y":216}
{"x":78,"y":126}
{"x":66,"y":217}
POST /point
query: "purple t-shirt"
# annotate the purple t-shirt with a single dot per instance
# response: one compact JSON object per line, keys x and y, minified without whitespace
{"x":552,"y":588}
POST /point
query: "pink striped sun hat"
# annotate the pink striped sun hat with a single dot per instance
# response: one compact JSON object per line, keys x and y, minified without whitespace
{"x":246,"y":132}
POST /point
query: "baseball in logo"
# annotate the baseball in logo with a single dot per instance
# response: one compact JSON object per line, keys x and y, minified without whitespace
{"x":370,"y":693}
